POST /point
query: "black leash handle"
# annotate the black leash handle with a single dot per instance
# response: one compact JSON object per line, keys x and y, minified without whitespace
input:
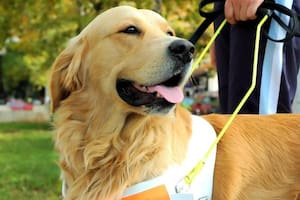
{"x":200,"y":30}
{"x":291,"y":30}
{"x":268,"y":7}
{"x":209,"y":16}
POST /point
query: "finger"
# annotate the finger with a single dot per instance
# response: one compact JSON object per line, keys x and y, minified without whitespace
{"x":229,"y":12}
{"x":252,"y":9}
{"x":242,"y":13}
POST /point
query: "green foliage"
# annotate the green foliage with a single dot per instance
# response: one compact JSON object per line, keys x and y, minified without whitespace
{"x":28,"y":163}
{"x":14,"y":69}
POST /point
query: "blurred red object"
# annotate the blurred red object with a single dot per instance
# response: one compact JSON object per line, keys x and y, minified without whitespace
{"x":19,"y":105}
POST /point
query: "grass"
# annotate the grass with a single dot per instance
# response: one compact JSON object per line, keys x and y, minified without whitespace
{"x":28,"y":169}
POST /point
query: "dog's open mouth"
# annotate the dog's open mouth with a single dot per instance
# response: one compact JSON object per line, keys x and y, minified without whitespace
{"x":167,"y":92}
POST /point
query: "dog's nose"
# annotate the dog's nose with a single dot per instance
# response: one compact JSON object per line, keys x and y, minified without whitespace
{"x":182,"y":49}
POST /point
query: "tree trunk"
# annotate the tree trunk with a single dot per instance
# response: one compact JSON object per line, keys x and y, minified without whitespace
{"x":157,"y":6}
{"x":2,"y":91}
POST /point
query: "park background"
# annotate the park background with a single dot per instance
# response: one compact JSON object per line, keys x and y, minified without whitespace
{"x":32,"y":33}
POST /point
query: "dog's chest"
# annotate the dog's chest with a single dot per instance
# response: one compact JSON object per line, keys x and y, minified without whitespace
{"x":166,"y":186}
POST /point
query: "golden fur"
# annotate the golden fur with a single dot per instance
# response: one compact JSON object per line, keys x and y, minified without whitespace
{"x":106,"y":145}
{"x":258,"y":157}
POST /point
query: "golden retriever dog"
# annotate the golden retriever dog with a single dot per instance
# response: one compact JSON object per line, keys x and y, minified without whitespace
{"x":115,"y":91}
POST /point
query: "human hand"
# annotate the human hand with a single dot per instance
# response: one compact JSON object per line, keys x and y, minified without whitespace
{"x":241,"y":10}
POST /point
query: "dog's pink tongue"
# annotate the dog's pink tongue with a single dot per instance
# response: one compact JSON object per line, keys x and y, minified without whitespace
{"x":171,"y":94}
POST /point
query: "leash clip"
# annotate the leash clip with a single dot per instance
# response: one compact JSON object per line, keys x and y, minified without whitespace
{"x":182,"y":186}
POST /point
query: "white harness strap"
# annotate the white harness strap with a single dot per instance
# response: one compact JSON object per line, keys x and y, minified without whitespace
{"x":64,"y":188}
{"x":201,"y":189}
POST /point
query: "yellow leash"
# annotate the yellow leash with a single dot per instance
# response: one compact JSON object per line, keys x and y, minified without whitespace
{"x":189,"y":178}
{"x":210,"y":42}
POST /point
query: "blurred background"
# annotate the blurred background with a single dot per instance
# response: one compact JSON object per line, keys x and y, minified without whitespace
{"x":32,"y":34}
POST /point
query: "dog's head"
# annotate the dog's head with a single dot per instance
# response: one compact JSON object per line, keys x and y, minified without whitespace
{"x":127,"y":56}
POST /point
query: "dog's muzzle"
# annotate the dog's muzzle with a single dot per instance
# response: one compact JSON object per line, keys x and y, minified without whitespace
{"x":162,"y":96}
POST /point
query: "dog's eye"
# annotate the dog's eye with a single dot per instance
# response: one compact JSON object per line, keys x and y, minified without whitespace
{"x":131,"y":30}
{"x":170,"y":33}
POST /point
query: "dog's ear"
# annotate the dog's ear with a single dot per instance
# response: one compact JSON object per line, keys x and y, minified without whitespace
{"x":67,"y":73}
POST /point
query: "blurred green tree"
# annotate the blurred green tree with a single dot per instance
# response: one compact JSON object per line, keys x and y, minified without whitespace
{"x":33,"y":32}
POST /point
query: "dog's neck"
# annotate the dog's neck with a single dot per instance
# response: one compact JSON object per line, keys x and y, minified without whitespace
{"x":115,"y":156}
